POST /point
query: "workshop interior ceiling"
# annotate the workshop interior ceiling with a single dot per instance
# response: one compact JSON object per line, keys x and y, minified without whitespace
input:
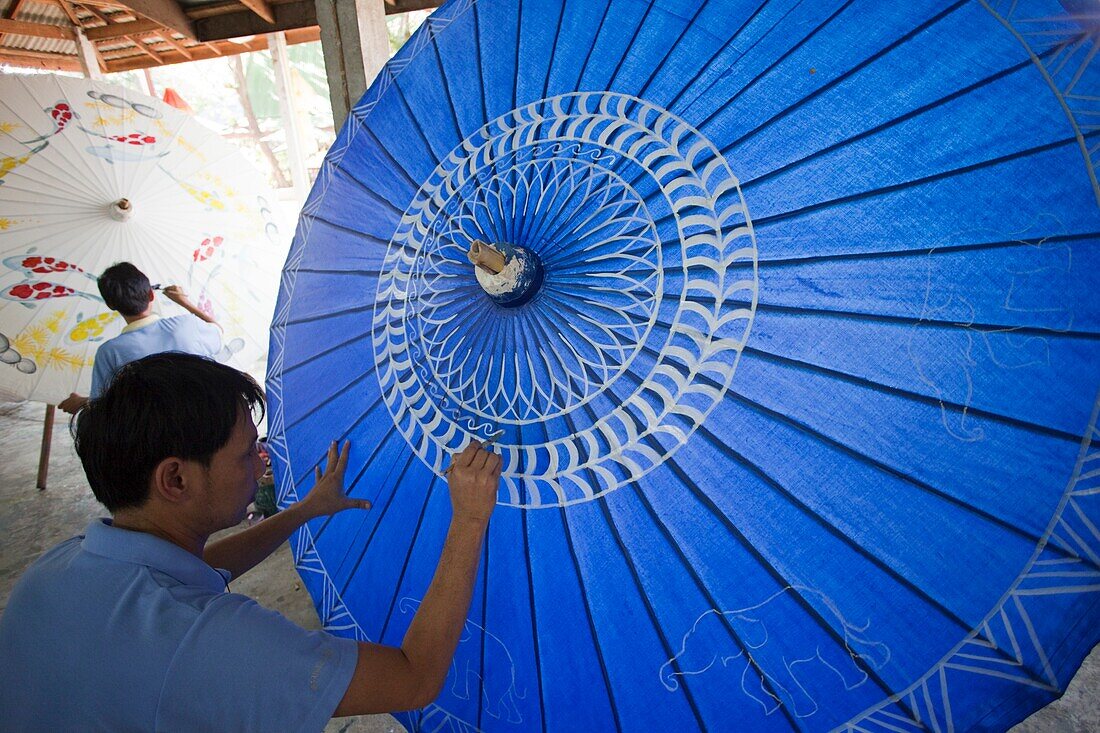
{"x":138,"y":34}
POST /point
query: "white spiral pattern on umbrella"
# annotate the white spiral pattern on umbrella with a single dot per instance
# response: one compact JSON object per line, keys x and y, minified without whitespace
{"x":544,"y":160}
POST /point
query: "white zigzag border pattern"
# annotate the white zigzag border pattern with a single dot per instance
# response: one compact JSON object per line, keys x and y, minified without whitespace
{"x":335,"y":615}
{"x":1006,"y":646}
{"x":1073,"y":50}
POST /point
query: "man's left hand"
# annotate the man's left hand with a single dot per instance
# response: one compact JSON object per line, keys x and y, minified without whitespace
{"x":72,"y":403}
{"x":327,"y":496}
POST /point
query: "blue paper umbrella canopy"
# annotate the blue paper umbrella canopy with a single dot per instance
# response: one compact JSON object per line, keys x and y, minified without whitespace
{"x":793,"y":357}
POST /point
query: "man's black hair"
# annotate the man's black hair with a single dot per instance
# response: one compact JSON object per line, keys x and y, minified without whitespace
{"x":165,"y":405}
{"x":125,"y":289}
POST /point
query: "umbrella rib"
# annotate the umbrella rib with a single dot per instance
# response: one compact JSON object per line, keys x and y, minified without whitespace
{"x":519,"y":30}
{"x":626,"y":51}
{"x":822,"y":522}
{"x":705,"y":592}
{"x":890,"y":470}
{"x":366,"y":463}
{"x":446,"y":90}
{"x":370,"y":370}
{"x":370,"y":192}
{"x":855,"y":546}
{"x":563,"y":514}
{"x":530,"y":577}
{"x":708,"y":503}
{"x":911,"y":114}
{"x":324,"y":316}
{"x":983,"y":328}
{"x":932,"y":178}
{"x":478,"y":63}
{"x":805,"y":509}
{"x":712,"y":61}
{"x":592,"y":46}
{"x":632,"y":568}
{"x":367,"y":334}
{"x":75,"y":193}
{"x":759,"y":223}
{"x":553,"y":50}
{"x":1034,"y":242}
{"x":658,"y":65}
{"x":393,"y":161}
{"x":916,"y":396}
{"x":378,"y":523}
{"x":415,"y":124}
{"x":727,"y":103}
{"x":840,"y":78}
{"x":408,"y":555}
{"x":591,"y":621}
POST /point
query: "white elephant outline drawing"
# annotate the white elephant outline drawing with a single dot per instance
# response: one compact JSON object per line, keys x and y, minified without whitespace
{"x":466,"y":670}
{"x":944,"y":367}
{"x":753,"y":632}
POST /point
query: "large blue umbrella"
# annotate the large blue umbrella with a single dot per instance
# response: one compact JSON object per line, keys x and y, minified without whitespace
{"x":786,"y":317}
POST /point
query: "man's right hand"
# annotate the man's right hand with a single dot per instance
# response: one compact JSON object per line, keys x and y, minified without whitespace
{"x":72,"y":403}
{"x":388,"y":679}
{"x":474,"y":479}
{"x":177,"y":295}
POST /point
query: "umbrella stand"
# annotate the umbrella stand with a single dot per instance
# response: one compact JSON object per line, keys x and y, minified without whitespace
{"x":47,"y":441}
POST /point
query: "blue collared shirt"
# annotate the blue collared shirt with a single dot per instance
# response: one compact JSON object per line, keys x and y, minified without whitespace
{"x":123,"y":631}
{"x":153,"y":335}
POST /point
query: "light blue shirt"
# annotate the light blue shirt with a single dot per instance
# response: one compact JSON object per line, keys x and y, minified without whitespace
{"x":123,"y":631}
{"x":185,"y":333}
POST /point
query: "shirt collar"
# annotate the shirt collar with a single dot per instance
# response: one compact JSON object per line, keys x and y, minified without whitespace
{"x":142,"y":548}
{"x":149,"y":320}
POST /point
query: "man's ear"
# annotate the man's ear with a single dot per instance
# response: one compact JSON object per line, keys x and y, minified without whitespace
{"x":151,"y":295}
{"x":171,"y":480}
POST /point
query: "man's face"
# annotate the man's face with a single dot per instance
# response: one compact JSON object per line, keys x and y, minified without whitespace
{"x":230,"y":482}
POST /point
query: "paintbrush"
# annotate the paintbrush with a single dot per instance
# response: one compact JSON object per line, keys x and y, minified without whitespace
{"x":488,"y":441}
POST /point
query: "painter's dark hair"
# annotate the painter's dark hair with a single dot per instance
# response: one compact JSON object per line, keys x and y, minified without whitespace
{"x":125,"y":289}
{"x":165,"y":405}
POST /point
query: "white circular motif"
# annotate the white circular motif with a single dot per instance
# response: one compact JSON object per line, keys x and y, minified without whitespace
{"x":633,"y":338}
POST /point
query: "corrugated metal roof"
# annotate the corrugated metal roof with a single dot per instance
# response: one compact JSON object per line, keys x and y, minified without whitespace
{"x":46,"y":14}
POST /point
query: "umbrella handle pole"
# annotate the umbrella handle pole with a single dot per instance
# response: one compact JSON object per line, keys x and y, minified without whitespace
{"x":47,"y":443}
{"x":486,"y":256}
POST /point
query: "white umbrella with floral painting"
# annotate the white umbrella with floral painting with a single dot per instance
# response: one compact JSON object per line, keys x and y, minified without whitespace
{"x":92,"y":174}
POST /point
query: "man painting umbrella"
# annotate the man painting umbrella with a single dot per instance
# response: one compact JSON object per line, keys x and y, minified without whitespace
{"x":127,"y":290}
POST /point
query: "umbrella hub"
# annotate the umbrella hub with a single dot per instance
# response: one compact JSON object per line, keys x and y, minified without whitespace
{"x":121,"y":210}
{"x":509,"y":274}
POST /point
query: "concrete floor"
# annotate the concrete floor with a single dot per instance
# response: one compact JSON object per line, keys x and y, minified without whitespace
{"x":32,"y":521}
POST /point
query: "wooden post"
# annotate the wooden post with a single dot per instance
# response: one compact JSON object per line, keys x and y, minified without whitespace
{"x":85,"y":53}
{"x":280,"y":61}
{"x":356,"y":47}
{"x":47,"y":442}
{"x":149,"y":86}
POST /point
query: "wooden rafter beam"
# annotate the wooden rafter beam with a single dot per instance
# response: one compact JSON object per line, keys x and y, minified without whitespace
{"x":122,"y":61}
{"x":121,"y":30}
{"x":166,"y":35}
{"x":260,"y":8}
{"x":166,"y":13}
{"x":36,"y":30}
{"x":11,"y":11}
{"x":38,"y":60}
{"x":229,"y":20}
{"x":219,"y":22}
